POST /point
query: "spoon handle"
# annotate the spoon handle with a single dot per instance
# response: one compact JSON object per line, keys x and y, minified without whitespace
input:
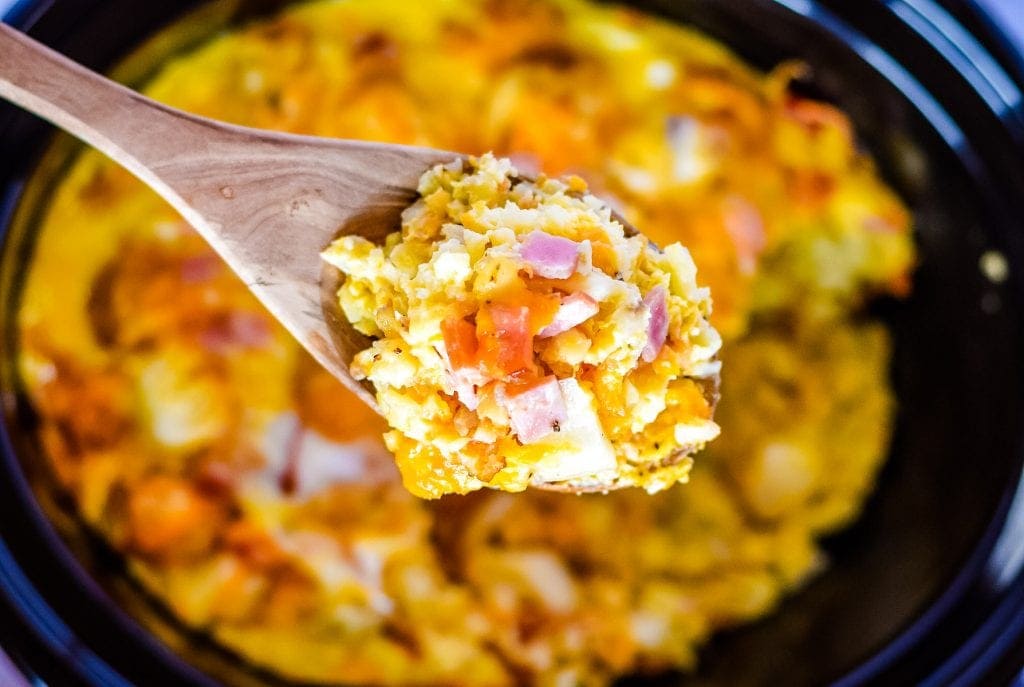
{"x":267,"y":202}
{"x":134,"y":131}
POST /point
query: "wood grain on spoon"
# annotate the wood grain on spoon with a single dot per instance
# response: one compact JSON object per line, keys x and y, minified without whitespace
{"x":267,"y":202}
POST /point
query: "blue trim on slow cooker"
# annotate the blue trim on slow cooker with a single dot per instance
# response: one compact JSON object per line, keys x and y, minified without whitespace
{"x":24,"y":597}
{"x":17,"y":589}
{"x":25,"y":12}
{"x":48,"y":626}
{"x":1007,"y":561}
{"x":997,"y":635}
{"x":997,"y":40}
{"x":888,"y":67}
{"x":965,"y":54}
{"x":942,"y":31}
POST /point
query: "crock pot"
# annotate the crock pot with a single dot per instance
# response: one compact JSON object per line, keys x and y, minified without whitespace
{"x":927,"y":587}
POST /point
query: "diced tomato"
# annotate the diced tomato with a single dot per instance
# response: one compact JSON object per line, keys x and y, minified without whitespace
{"x":816,"y":116}
{"x":900,"y":285}
{"x":504,"y":338}
{"x":459,"y":342}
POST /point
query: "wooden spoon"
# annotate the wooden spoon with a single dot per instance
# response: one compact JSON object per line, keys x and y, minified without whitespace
{"x":267,"y":202}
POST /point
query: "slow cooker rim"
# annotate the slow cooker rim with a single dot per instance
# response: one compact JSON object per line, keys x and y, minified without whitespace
{"x":933,"y":24}
{"x":25,"y":13}
{"x":971,"y":57}
{"x":995,"y":39}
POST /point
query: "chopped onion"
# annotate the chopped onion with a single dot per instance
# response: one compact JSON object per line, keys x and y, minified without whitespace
{"x":550,"y":256}
{"x":656,"y":301}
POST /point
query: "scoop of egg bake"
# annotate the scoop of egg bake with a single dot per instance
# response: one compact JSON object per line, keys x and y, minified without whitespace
{"x":520,"y":336}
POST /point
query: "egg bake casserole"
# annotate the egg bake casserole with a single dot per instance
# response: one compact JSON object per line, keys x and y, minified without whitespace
{"x":251,"y":495}
{"x":521,"y":337}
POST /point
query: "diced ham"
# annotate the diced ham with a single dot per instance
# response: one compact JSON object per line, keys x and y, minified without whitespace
{"x":880,"y":224}
{"x":580,"y":449}
{"x":536,"y":412}
{"x":816,"y":116}
{"x":745,"y":227}
{"x":656,"y":301}
{"x":289,"y":477}
{"x":217,"y":477}
{"x":465,"y":381}
{"x":237,"y":330}
{"x":302,"y":462}
{"x":575,"y":309}
{"x":200,"y":268}
{"x":550,"y":256}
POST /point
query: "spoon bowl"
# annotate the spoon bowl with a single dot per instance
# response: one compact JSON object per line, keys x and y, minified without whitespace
{"x":267,"y":202}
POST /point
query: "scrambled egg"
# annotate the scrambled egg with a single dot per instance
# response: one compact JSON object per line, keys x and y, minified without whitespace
{"x":250,"y":493}
{"x":520,"y":337}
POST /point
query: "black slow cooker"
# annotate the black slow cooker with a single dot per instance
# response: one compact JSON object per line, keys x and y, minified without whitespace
{"x":927,"y":587}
